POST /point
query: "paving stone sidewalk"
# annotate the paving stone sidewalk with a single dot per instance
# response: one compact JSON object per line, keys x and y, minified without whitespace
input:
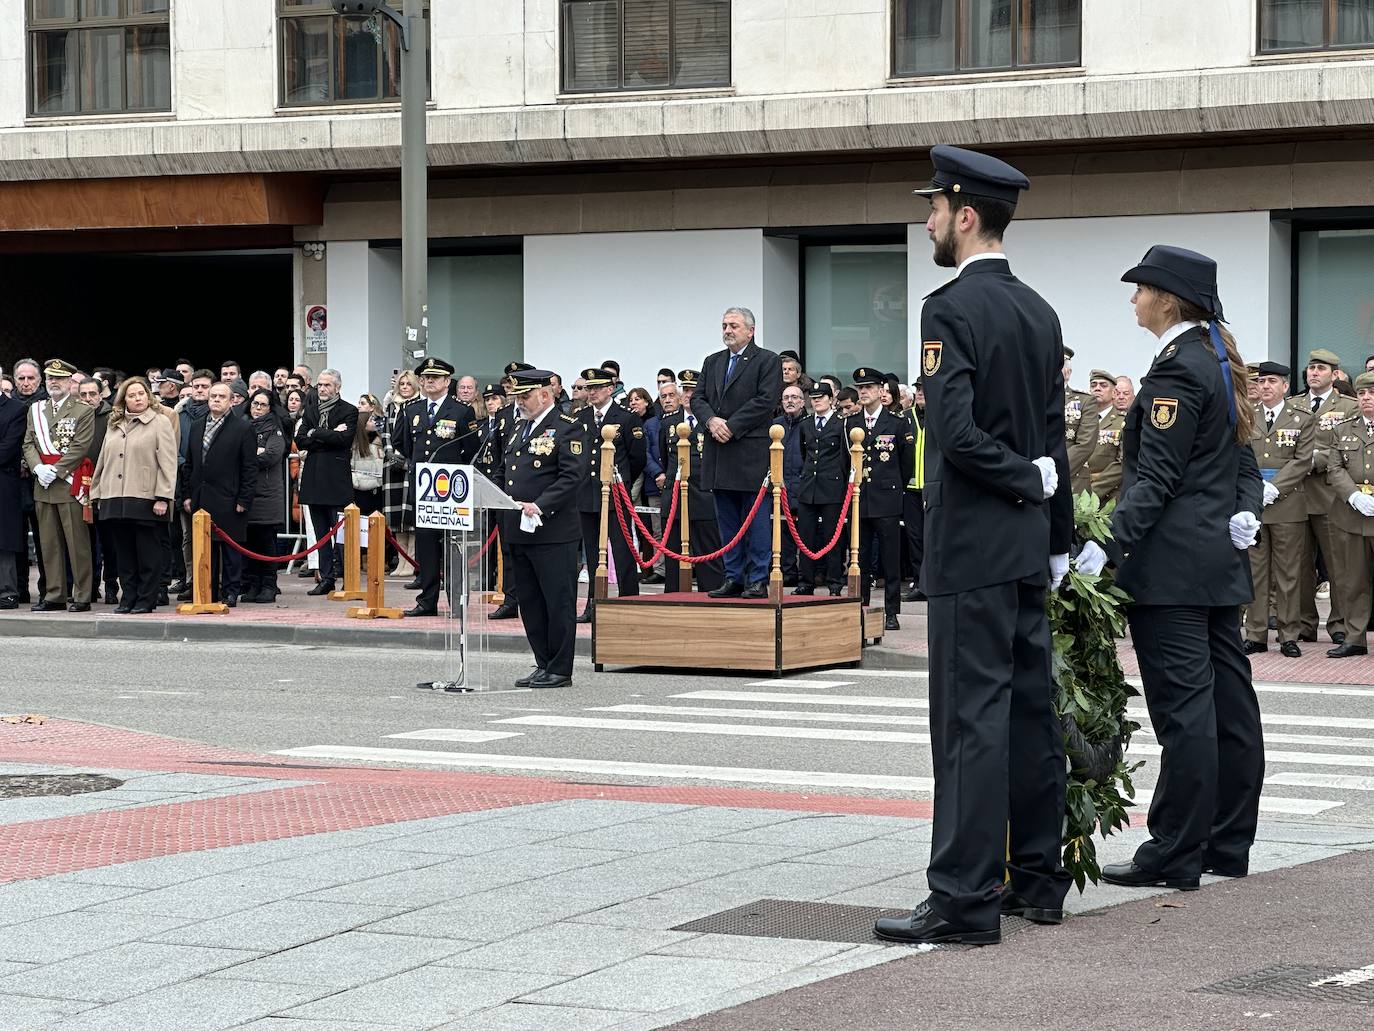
{"x":552,"y":916}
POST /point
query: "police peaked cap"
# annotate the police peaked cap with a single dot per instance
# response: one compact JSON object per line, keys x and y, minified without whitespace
{"x":967,"y":172}
{"x":872,"y":377}
{"x":434,"y":367}
{"x":528,"y":379}
{"x":597,"y":377}
{"x":513,"y":367}
{"x":1185,"y":274}
{"x":58,"y":369}
{"x":494,"y":390}
{"x":821,"y":390}
{"x":689,"y":377}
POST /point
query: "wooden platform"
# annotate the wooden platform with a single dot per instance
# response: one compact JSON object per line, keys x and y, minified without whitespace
{"x":727,"y":633}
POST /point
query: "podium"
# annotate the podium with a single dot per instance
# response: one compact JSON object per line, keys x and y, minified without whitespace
{"x":467,"y":508}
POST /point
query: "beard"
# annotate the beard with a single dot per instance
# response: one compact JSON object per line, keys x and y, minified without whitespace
{"x":945,"y":250}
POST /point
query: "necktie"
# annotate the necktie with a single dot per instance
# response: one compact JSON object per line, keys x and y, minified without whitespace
{"x":820,"y":423}
{"x":1316,"y":403}
{"x":433,"y":405}
{"x":529,"y":428}
{"x":691,"y":422}
{"x":1270,"y":421}
{"x":730,"y":369}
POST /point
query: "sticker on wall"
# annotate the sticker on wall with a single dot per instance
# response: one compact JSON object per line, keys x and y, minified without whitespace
{"x":316,"y":329}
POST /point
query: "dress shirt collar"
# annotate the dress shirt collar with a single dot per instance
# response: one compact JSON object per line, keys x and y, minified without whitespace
{"x":984,"y":256}
{"x":1174,"y":332}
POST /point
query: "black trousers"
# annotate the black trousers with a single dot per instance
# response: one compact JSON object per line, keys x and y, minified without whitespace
{"x":31,"y":521}
{"x":816,"y":524}
{"x":998,"y":754}
{"x":174,"y":528}
{"x":882,"y":533}
{"x":104,"y":557}
{"x":322,"y":520}
{"x":138,"y":547}
{"x":262,"y":538}
{"x":545,"y":576}
{"x":429,"y":552}
{"x":705,"y":537}
{"x":226,"y":570}
{"x":626,"y":569}
{"x":1207,"y":721}
{"x":914,"y":523}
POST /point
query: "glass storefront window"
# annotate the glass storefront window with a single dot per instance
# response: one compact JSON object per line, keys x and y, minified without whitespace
{"x":1336,"y":296}
{"x":856,"y":309}
{"x":477,"y":312}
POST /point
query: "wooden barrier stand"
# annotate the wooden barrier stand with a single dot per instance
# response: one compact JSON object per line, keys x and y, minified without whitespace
{"x":375,"y":606}
{"x":775,"y":449}
{"x":353,"y":557}
{"x":201,"y":571}
{"x":684,"y":466}
{"x":856,"y":466}
{"x":600,"y":586}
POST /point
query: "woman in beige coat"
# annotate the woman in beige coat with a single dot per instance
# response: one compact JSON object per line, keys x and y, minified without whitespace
{"x":133,"y":488}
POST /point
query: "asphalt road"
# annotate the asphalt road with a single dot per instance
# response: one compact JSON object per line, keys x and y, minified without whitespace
{"x":841,"y":732}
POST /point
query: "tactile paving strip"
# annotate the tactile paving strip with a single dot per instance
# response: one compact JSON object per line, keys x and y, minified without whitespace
{"x":1305,"y":984}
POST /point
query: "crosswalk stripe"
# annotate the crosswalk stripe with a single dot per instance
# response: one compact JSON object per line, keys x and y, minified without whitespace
{"x":1271,"y":756}
{"x":890,"y":674}
{"x":1325,"y":740}
{"x":870,"y":701}
{"x":725,"y":729}
{"x":550,"y":764}
{"x":471,"y":737}
{"x":1280,"y":719}
{"x":766,"y":714}
{"x":813,"y":685}
{"x":1290,"y":806}
{"x":1277,"y":688}
{"x":1336,"y":781}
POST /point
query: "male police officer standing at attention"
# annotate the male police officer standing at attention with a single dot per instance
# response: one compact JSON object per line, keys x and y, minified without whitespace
{"x":999,"y":522}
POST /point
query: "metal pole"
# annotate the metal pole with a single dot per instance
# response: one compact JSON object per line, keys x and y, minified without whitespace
{"x":414,"y":189}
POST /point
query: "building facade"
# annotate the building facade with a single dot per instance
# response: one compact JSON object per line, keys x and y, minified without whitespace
{"x":195,"y":176}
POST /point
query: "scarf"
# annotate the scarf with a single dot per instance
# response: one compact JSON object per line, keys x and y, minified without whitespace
{"x":325,"y":408}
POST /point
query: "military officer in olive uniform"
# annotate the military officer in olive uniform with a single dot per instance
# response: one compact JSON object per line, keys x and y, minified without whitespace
{"x":818,"y":506}
{"x":1077,"y":404}
{"x":1330,"y":407}
{"x":703,"y":530}
{"x":1099,"y":468}
{"x":1284,"y":437}
{"x":1350,"y":475}
{"x":435,"y":427}
{"x":631,"y":453}
{"x":543,"y":465}
{"x":889,"y":443}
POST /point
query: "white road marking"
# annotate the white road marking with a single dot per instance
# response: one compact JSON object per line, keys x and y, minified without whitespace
{"x":871,"y":701}
{"x":767,"y":714}
{"x":1326,"y":689}
{"x":1280,"y":719}
{"x":733,"y":774}
{"x":726,"y":729}
{"x":814,"y":685}
{"x":176,"y":694}
{"x":1335,"y":781}
{"x":1298,"y":758}
{"x":1327,"y":740}
{"x":471,"y":737}
{"x":890,"y":674}
{"x":1347,"y":979}
{"x":1290,"y":806}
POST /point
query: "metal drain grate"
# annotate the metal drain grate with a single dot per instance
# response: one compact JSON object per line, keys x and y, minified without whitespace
{"x":809,"y":921}
{"x":39,"y":785}
{"x":1305,"y":984}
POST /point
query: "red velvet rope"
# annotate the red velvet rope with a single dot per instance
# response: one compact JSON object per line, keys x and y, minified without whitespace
{"x":621,"y":497}
{"x":276,"y":558}
{"x":391,"y":537}
{"x":839,"y":526}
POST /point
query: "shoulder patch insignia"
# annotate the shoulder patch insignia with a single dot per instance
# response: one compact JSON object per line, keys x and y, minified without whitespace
{"x":930,"y":356}
{"x":637,"y":433}
{"x":575,"y":446}
{"x":1163,"y":412}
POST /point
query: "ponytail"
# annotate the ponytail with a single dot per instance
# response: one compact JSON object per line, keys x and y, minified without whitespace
{"x":1245,"y":411}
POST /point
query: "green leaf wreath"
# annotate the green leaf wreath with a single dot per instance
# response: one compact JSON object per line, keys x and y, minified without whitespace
{"x":1087,"y":616}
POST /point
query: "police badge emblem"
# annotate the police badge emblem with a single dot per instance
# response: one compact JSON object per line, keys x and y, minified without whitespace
{"x":575,"y":446}
{"x":1164,"y":412}
{"x":930,"y":356}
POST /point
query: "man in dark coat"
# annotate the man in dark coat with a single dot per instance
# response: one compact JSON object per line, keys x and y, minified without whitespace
{"x":741,"y":387}
{"x":12,"y":543}
{"x":703,"y":530}
{"x":326,"y":433}
{"x":221,"y":476}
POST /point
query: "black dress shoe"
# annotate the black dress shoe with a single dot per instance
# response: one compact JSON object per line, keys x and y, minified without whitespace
{"x":1014,"y":905}
{"x":729,"y":589}
{"x":412,"y":585}
{"x":421,"y":610}
{"x":547,"y":679}
{"x":505,"y":611}
{"x":835,"y":589}
{"x":232,"y":600}
{"x":306,"y":573}
{"x":1337,"y":638}
{"x":321,"y":588}
{"x":1250,"y":647}
{"x":9,"y":603}
{"x":1291,"y":649}
{"x":47,"y":606}
{"x":185,"y":595}
{"x":1344,"y":651}
{"x":926,"y":927}
{"x":651,"y":578}
{"x":79,"y":606}
{"x":892,"y":623}
{"x":758,"y":589}
{"x":530,"y":677}
{"x":1128,"y":875}
{"x":111,"y":596}
{"x":124,"y":608}
{"x":1273,"y":623}
{"x":141,"y":610}
{"x":586,"y":615}
{"x":805,"y":590}
{"x":162,"y":598}
{"x":913,"y":595}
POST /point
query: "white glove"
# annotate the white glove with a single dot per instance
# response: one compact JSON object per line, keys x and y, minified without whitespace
{"x":1049,"y":476}
{"x":45,"y":474}
{"x":1059,"y":568}
{"x":1271,"y":494}
{"x":1362,"y":503}
{"x":1091,"y":560}
{"x":1244,"y":530}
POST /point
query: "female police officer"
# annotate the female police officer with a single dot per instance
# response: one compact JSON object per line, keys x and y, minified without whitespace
{"x":1180,"y":554}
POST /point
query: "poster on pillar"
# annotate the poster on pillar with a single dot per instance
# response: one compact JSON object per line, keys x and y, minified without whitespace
{"x":316,"y":329}
{"x":443,"y":496}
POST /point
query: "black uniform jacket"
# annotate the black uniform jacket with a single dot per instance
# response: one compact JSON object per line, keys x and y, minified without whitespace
{"x":1183,"y":478}
{"x":491,"y":440}
{"x":327,"y":475}
{"x":825,"y":462}
{"x":747,"y":404}
{"x":13,"y":424}
{"x":546,"y":469}
{"x":227,"y":475}
{"x":453,"y":436}
{"x":631,"y":452}
{"x":701,"y":503}
{"x":888,"y":450}
{"x":992,"y":363}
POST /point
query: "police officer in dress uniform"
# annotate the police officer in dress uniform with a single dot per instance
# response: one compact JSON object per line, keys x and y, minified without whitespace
{"x":1350,"y":474}
{"x":1283,"y":442}
{"x":489,"y":461}
{"x":1188,"y":511}
{"x":1330,"y":407}
{"x":889,"y":443}
{"x":701,"y":504}
{"x":544,"y":462}
{"x":436,"y":427}
{"x":1100,"y":468}
{"x":631,"y":453}
{"x":992,"y":366}
{"x":913,"y":498}
{"x":819,"y":505}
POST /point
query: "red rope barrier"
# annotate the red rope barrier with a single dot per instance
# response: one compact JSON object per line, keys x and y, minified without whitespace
{"x":276,"y":558}
{"x":621,"y":497}
{"x":839,"y":526}
{"x":490,"y":539}
{"x":391,"y":539}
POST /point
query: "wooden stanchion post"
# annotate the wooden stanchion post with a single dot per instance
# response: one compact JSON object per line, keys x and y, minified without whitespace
{"x":776,"y":433}
{"x":602,"y":579}
{"x":498,"y":596}
{"x":353,"y":557}
{"x":856,"y":465}
{"x":375,"y":605}
{"x":202,"y":580}
{"x":684,"y":522}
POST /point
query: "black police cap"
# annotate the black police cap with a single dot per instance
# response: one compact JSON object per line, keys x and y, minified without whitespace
{"x":868,"y":376}
{"x":1273,"y":369}
{"x":821,"y":390}
{"x":528,"y":379}
{"x":967,"y":172}
{"x":434,"y":367}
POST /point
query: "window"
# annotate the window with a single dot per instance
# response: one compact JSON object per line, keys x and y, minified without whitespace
{"x":1335,"y":296}
{"x":99,"y":56}
{"x":326,"y":59}
{"x":645,"y":44}
{"x":940,"y":37}
{"x":1315,"y":25}
{"x":855,"y":308}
